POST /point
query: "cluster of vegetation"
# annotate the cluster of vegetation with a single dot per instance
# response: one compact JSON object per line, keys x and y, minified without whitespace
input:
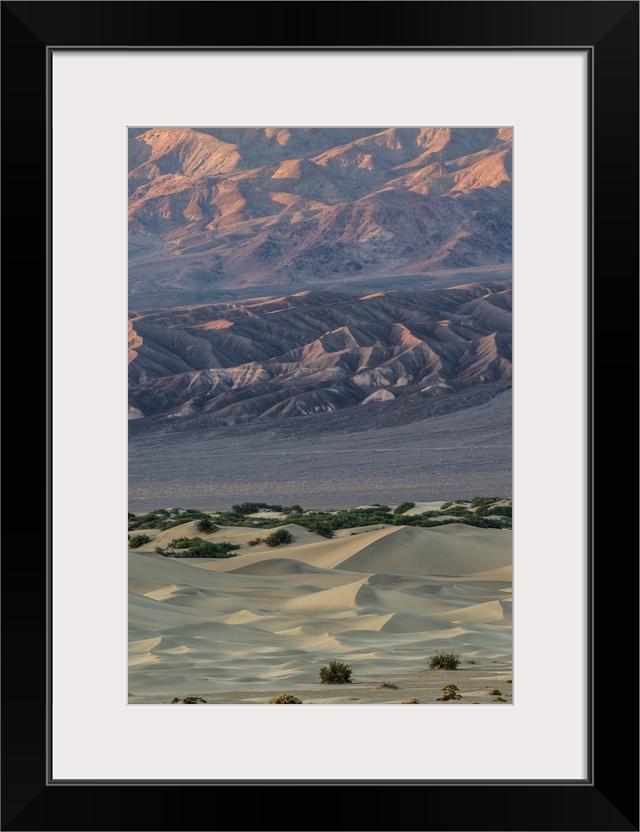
{"x":206,"y":525}
{"x":165,"y":518}
{"x":279,"y":538}
{"x":254,"y":508}
{"x":480,"y":511}
{"x":502,"y":511}
{"x":326,"y":523}
{"x":388,"y":686}
{"x":469,"y":518}
{"x":285,"y":699}
{"x":483,"y":502}
{"x":413,"y":701}
{"x":337,"y":673}
{"x":137,"y":540}
{"x":449,"y":692}
{"x":243,"y":509}
{"x":195,"y":547}
{"x":230,"y":518}
{"x":403,"y":507}
{"x":444,"y":660}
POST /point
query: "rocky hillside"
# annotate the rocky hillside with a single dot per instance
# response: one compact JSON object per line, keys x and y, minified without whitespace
{"x":222,"y":208}
{"x":318,"y":352}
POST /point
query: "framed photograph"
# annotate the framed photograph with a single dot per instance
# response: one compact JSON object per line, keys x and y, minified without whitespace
{"x":96,"y":89}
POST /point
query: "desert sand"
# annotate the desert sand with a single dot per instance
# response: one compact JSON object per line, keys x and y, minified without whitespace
{"x":382,"y":599}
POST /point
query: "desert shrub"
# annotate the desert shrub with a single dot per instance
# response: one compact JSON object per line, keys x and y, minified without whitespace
{"x":183,"y":542}
{"x":324,"y":523}
{"x":228,"y":518}
{"x":403,"y":507}
{"x":454,"y":511}
{"x":255,"y":542}
{"x":493,"y":692}
{"x":471,"y":661}
{"x":163,"y":519}
{"x":279,"y":537}
{"x":410,"y":702}
{"x":137,"y":540}
{"x":499,"y":699}
{"x":195,"y":547}
{"x":388,"y":686}
{"x":443,"y":660}
{"x":184,"y":516}
{"x":337,"y":673}
{"x":322,"y":528}
{"x":483,"y":502}
{"x":509,"y":681}
{"x":445,"y":505}
{"x":502,"y":511}
{"x":188,"y":700}
{"x":294,"y":509}
{"x":449,"y":692}
{"x":206,"y":525}
{"x":252,"y":508}
{"x":285,"y":699}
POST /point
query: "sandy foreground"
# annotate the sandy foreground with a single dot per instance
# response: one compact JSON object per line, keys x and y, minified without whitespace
{"x":383,"y":599}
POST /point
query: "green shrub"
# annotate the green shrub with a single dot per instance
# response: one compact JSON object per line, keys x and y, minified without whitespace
{"x":337,"y":673}
{"x":195,"y":547}
{"x":255,"y":542}
{"x":253,"y":508}
{"x":163,"y":519}
{"x":294,"y":509}
{"x":285,"y":699}
{"x":403,"y":507}
{"x":137,"y":540}
{"x":443,"y":660}
{"x":482,"y":502}
{"x":228,"y":518}
{"x":493,"y":692}
{"x":322,"y":528}
{"x":184,"y":542}
{"x":206,"y":525}
{"x":449,"y":692}
{"x":445,"y":505}
{"x":279,"y":537}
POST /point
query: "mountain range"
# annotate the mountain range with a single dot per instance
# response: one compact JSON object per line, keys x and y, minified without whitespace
{"x":319,"y":310}
{"x":212,"y":210}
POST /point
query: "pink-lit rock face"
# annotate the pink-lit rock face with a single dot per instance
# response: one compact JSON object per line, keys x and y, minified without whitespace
{"x":226,"y":208}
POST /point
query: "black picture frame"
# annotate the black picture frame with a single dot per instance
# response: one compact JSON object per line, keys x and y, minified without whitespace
{"x":608,"y":798}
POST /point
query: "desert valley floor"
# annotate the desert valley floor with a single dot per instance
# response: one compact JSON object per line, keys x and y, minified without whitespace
{"x":383,"y":599}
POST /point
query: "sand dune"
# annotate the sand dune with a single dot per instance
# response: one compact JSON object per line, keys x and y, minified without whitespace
{"x":268,"y":619}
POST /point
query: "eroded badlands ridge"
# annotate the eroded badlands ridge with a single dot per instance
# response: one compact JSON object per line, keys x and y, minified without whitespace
{"x":318,"y":352}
